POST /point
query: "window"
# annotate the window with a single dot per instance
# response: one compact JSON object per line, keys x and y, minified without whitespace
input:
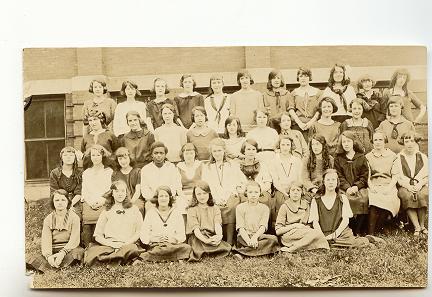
{"x":44,"y":135}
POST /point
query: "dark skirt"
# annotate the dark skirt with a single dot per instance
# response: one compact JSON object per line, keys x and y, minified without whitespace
{"x":409,"y":200}
{"x":200,"y":249}
{"x":359,"y":202}
{"x":102,"y":253}
{"x":267,"y":244}
{"x":166,"y":252}
{"x":278,"y":200}
{"x":228,"y":211}
{"x":347,"y":239}
{"x":39,"y":262}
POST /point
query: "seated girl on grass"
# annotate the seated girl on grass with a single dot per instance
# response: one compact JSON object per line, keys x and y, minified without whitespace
{"x":117,"y":229}
{"x":204,"y":224}
{"x":60,"y":236}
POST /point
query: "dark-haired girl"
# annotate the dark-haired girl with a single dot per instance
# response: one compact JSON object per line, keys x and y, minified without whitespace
{"x":187,"y":100}
{"x":217,"y":104}
{"x":276,"y":96}
{"x":301,"y":148}
{"x":190,"y":170}
{"x":117,"y":229}
{"x":60,"y":236}
{"x":234,"y":138}
{"x":372,"y":101}
{"x":204,"y":224}
{"x":154,"y":107}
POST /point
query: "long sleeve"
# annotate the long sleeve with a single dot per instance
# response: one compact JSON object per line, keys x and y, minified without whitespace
{"x":74,"y":239}
{"x":146,"y":191}
{"x":240,"y":217}
{"x":53,"y":182}
{"x":85,"y":191}
{"x":145,"y":233}
{"x":264,"y":218}
{"x":362,"y":178}
{"x":233,"y":111}
{"x":179,"y":226}
{"x":118,"y":122}
{"x":100,"y":225}
{"x":343,"y":182}
{"x":192,"y":220}
{"x":46,"y":238}
{"x":305,"y":177}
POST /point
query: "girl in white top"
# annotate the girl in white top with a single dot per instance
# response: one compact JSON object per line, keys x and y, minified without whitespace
{"x":130,"y":90}
{"x":217,"y":104}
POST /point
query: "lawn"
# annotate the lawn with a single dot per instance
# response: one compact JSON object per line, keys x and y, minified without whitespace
{"x":401,"y":263}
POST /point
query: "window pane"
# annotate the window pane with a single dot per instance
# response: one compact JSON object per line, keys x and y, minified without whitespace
{"x":54,"y":148}
{"x":34,"y":120}
{"x":36,"y":160}
{"x":54,"y":111}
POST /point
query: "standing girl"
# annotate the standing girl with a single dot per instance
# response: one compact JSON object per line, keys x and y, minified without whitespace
{"x":340,"y":90}
{"x":292,"y":224}
{"x":276,"y":96}
{"x":372,"y":101}
{"x":163,"y":231}
{"x":200,"y":135}
{"x":301,"y":148}
{"x":172,"y":135}
{"x":96,"y":180}
{"x":117,"y":229}
{"x":234,"y":138}
{"x":217,"y":104}
{"x":130,"y":90}
{"x":383,"y":199}
{"x":399,"y":87}
{"x":204,"y":224}
{"x":413,"y":181}
{"x":154,"y":107}
{"x":330,"y":213}
{"x":252,"y":219}
{"x":100,"y":104}
{"x":245,"y":101}
{"x":129,"y":175}
{"x":303,"y":103}
{"x":353,"y":170}
{"x":326,"y":126}
{"x":318,"y":161}
{"x":226,"y":181}
{"x":361,"y":127}
{"x":60,"y":236}
{"x":138,"y":140}
{"x":187,"y":100}
{"x":396,"y":124}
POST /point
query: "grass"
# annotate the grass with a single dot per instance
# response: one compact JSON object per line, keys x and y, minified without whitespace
{"x":402,"y":263}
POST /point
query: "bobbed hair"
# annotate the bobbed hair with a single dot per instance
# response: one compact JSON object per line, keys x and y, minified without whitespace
{"x":63,"y":193}
{"x":212,"y":78}
{"x":157,"y":144}
{"x":345,"y":80}
{"x":154,"y":83}
{"x":296,"y":184}
{"x":409,"y":135}
{"x":184,"y":76}
{"x":357,"y":101}
{"x":357,"y":146}
{"x":166,"y":189}
{"x":275,"y":73}
{"x":242,"y":73}
{"x":364,"y":78}
{"x":248,"y":141}
{"x":394,"y":100}
{"x":228,"y":121}
{"x":123,"y":152}
{"x":206,"y":188}
{"x":110,"y":201}
{"x":200,"y":109}
{"x":101,"y":82}
{"x":264,"y":111}
{"x":131,"y":84}
{"x":102,"y":151}
{"x":382,"y":133}
{"x":252,"y":183}
{"x":186,"y":147}
{"x":321,"y":190}
{"x":304,"y":71}
{"x":329,"y":100}
{"x":136,"y":113}
{"x":98,"y":115}
{"x":281,"y":137}
{"x":217,"y":142}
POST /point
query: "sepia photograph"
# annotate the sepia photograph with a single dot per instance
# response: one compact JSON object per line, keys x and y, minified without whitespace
{"x":233,"y":166}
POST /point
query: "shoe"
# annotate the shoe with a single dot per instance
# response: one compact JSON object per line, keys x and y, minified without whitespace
{"x":416,"y":233}
{"x":238,"y":256}
{"x":375,"y":239}
{"x":284,"y":249}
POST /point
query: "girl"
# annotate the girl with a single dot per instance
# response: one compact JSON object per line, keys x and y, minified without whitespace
{"x":200,"y":134}
{"x":130,"y":90}
{"x":187,"y":100}
{"x":172,"y":135}
{"x":276,"y":96}
{"x":98,"y":135}
{"x":252,"y":219}
{"x":318,"y":161}
{"x":340,"y":90}
{"x":190,"y":169}
{"x":163,"y":231}
{"x":373,"y":105}
{"x":303,"y":103}
{"x":256,"y":170}
{"x":265,"y":136}
{"x":100,"y":104}
{"x":68,"y":177}
{"x":96,"y":180}
{"x":352,"y":168}
{"x":399,"y":87}
{"x":383,"y":199}
{"x":117,"y":229}
{"x":138,"y":140}
{"x":226,"y":182}
{"x":413,"y":181}
{"x":361,"y":127}
{"x":292,"y":224}
{"x":245,"y":101}
{"x":217,"y":104}
{"x":285,"y":169}
{"x":330,"y":213}
{"x":234,"y":138}
{"x":204,"y":224}
{"x":396,"y":124}
{"x":154,"y":107}
{"x":326,"y":126}
{"x":60,"y":236}
{"x":129,"y":175}
{"x":300,"y":144}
